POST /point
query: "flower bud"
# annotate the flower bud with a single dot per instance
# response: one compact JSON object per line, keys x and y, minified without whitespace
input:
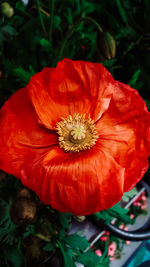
{"x":7,"y":10}
{"x":24,"y":193}
{"x":107,"y":45}
{"x":23,"y":211}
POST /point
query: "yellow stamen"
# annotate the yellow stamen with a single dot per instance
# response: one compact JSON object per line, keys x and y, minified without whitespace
{"x":76,"y":134}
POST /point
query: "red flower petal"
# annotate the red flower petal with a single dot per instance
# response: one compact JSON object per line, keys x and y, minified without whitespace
{"x":66,"y":181}
{"x":125,"y":133}
{"x":72,"y":87}
{"x":82,"y":182}
{"x":21,"y":136}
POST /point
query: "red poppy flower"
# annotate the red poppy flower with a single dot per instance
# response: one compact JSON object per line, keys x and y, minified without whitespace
{"x":76,"y":137}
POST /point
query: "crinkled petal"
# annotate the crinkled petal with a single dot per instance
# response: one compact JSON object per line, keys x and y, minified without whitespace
{"x":81,"y":183}
{"x":21,"y":137}
{"x":71,"y":87}
{"x":124,"y":133}
{"x":87,"y":181}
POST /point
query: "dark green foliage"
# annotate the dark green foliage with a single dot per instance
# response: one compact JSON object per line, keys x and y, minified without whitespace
{"x":48,"y":247}
{"x":88,"y":258}
{"x":64,"y":219}
{"x":7,"y":228}
{"x":43,"y":32}
{"x":22,"y":76}
{"x":23,"y":244}
{"x":76,"y":242}
{"x":114,"y":212}
{"x":13,"y":257}
{"x":75,"y":248}
{"x":130,"y":194}
{"x":68,"y":261}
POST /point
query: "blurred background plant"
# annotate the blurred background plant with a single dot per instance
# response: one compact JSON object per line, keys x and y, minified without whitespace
{"x":35,"y":34}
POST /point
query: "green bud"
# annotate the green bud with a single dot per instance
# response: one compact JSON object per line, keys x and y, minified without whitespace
{"x":7,"y":10}
{"x":107,"y":45}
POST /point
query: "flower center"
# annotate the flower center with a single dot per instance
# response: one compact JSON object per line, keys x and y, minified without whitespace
{"x":76,"y":134}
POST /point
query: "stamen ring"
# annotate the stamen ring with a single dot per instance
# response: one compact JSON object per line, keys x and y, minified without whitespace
{"x":76,"y":134}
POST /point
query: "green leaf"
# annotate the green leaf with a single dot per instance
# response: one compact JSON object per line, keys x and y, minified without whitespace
{"x":134,"y":78}
{"x":109,"y":63}
{"x":87,"y":8}
{"x":104,"y":259}
{"x":64,"y":219}
{"x":121,"y":11}
{"x":45,"y":44}
{"x":20,"y":6}
{"x":89,"y":259}
{"x":7,"y":227}
{"x":127,"y":195}
{"x":48,"y":247}
{"x":13,"y":256}
{"x":114,"y":212}
{"x":103,"y":215}
{"x":57,"y":22}
{"x":125,"y":198}
{"x":8,"y":31}
{"x":68,"y":262}
{"x":76,"y":242}
{"x":69,"y":16}
{"x":62,"y":233}
{"x":119,"y":213}
{"x":22,"y":75}
{"x":126,"y":32}
{"x":105,"y":263}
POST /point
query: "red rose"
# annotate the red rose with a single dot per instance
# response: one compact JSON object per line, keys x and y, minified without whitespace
{"x":84,"y":162}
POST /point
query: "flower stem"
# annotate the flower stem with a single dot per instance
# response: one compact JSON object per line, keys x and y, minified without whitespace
{"x":61,"y":248}
{"x":42,"y":237}
{"x":73,"y":30}
{"x":40,"y":16}
{"x":69,"y":34}
{"x":94,"y":22}
{"x":51,"y":20}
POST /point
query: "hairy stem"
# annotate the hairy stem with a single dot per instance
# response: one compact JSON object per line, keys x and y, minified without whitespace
{"x":51,"y":20}
{"x":41,"y":17}
{"x":73,"y":30}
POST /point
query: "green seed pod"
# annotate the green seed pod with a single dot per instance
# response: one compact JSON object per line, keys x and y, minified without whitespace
{"x":7,"y":10}
{"x":107,"y":45}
